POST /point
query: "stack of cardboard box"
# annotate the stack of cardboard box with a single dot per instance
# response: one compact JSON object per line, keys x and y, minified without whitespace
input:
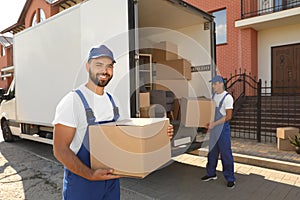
{"x":172,"y":72}
{"x":144,"y":104}
{"x":283,"y":134}
{"x":168,"y":65}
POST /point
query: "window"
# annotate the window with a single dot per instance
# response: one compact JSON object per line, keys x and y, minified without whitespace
{"x":33,"y":22}
{"x":221,"y":27}
{"x":265,"y":6}
{"x":42,"y":17}
{"x":3,"y":51}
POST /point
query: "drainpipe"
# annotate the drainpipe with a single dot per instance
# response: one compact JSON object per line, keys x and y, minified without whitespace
{"x":213,"y":48}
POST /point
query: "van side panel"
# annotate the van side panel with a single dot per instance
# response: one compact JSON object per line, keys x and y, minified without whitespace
{"x":50,"y":58}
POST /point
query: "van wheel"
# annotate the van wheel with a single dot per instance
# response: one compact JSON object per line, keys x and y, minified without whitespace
{"x":6,"y":132}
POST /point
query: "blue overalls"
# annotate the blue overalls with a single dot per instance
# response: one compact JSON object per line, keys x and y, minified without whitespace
{"x":219,"y":143}
{"x":78,"y":188}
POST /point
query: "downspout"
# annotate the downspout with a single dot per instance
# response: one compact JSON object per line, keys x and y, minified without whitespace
{"x":213,"y":48}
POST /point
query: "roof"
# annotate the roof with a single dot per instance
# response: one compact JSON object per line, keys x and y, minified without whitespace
{"x":6,"y":41}
{"x":20,"y":25}
{"x":64,"y":4}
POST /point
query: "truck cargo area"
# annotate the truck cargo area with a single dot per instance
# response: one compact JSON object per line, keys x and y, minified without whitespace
{"x":167,"y":44}
{"x":173,"y":38}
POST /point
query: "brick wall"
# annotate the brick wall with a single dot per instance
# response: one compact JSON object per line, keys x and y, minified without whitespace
{"x":6,"y":61}
{"x":240,"y":51}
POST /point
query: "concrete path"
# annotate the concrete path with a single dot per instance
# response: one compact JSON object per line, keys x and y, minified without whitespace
{"x":182,"y":180}
{"x":29,"y":171}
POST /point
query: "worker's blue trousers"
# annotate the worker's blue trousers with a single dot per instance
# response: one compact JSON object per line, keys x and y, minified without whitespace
{"x":219,"y":143}
{"x":78,"y":188}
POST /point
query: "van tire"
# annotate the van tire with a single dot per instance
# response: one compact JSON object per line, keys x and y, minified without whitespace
{"x":6,"y":132}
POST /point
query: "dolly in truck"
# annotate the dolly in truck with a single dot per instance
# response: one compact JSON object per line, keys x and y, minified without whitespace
{"x":163,"y":47}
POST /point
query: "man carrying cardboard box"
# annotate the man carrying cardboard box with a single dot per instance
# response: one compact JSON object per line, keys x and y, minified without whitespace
{"x":71,"y":142}
{"x":219,"y":140}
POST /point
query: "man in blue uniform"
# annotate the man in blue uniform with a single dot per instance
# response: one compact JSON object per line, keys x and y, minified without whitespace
{"x":88,"y":105}
{"x":219,"y":140}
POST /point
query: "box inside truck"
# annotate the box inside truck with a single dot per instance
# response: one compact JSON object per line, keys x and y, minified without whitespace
{"x":172,"y":41}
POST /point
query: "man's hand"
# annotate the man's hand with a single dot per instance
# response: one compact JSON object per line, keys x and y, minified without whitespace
{"x":103,"y":174}
{"x":170,"y":131}
{"x":210,"y":126}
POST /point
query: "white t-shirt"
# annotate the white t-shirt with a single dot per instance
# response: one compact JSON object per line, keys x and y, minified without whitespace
{"x":70,"y":112}
{"x":227,"y":103}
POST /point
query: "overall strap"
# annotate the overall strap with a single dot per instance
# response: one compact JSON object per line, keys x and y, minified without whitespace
{"x":213,"y":96}
{"x":90,"y":117}
{"x":116,"y":109}
{"x":221,"y":102}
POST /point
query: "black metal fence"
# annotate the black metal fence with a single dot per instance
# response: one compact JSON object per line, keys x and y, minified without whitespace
{"x":260,"y":107}
{"x":252,"y":8}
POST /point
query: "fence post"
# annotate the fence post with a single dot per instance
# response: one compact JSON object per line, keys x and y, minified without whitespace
{"x":259,"y":111}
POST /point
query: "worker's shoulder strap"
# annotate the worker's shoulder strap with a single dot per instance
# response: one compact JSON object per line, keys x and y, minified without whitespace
{"x":222,"y":100}
{"x":90,"y":117}
{"x":116,"y":109}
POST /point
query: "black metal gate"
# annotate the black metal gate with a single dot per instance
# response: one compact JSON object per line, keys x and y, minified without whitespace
{"x":246,"y":122}
{"x":257,"y":111}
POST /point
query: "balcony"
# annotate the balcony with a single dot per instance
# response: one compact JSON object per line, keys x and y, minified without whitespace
{"x":264,"y":14}
{"x":253,"y":8}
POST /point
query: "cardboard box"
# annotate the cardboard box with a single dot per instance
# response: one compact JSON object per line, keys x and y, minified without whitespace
{"x":144,"y":112}
{"x":173,"y":69}
{"x":197,"y":112}
{"x":286,"y":132}
{"x":133,"y":147}
{"x":164,"y":51}
{"x":144,"y":99}
{"x":284,"y":145}
{"x":180,"y":88}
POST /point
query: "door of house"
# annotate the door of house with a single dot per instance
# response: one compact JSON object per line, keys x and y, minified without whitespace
{"x":286,"y":69}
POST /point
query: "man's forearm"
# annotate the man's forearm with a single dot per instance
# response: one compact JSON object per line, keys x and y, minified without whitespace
{"x":220,"y":121}
{"x":73,"y":163}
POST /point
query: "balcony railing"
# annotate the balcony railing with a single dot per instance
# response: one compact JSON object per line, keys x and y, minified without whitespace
{"x":253,"y":8}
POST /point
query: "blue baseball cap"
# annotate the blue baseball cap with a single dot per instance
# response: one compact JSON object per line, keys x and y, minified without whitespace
{"x":217,"y":79}
{"x":101,"y":51}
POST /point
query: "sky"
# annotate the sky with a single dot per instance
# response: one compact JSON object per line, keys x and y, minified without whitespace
{"x":10,"y":11}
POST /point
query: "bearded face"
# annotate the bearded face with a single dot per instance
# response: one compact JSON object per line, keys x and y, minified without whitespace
{"x":100,"y":71}
{"x":100,"y":79}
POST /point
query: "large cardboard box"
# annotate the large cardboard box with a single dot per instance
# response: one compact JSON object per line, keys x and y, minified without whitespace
{"x":286,"y":132}
{"x":133,"y":147}
{"x":197,"y":112}
{"x":164,"y":51}
{"x":144,"y":99}
{"x":284,"y":145}
{"x":180,"y":88}
{"x":173,"y":69}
